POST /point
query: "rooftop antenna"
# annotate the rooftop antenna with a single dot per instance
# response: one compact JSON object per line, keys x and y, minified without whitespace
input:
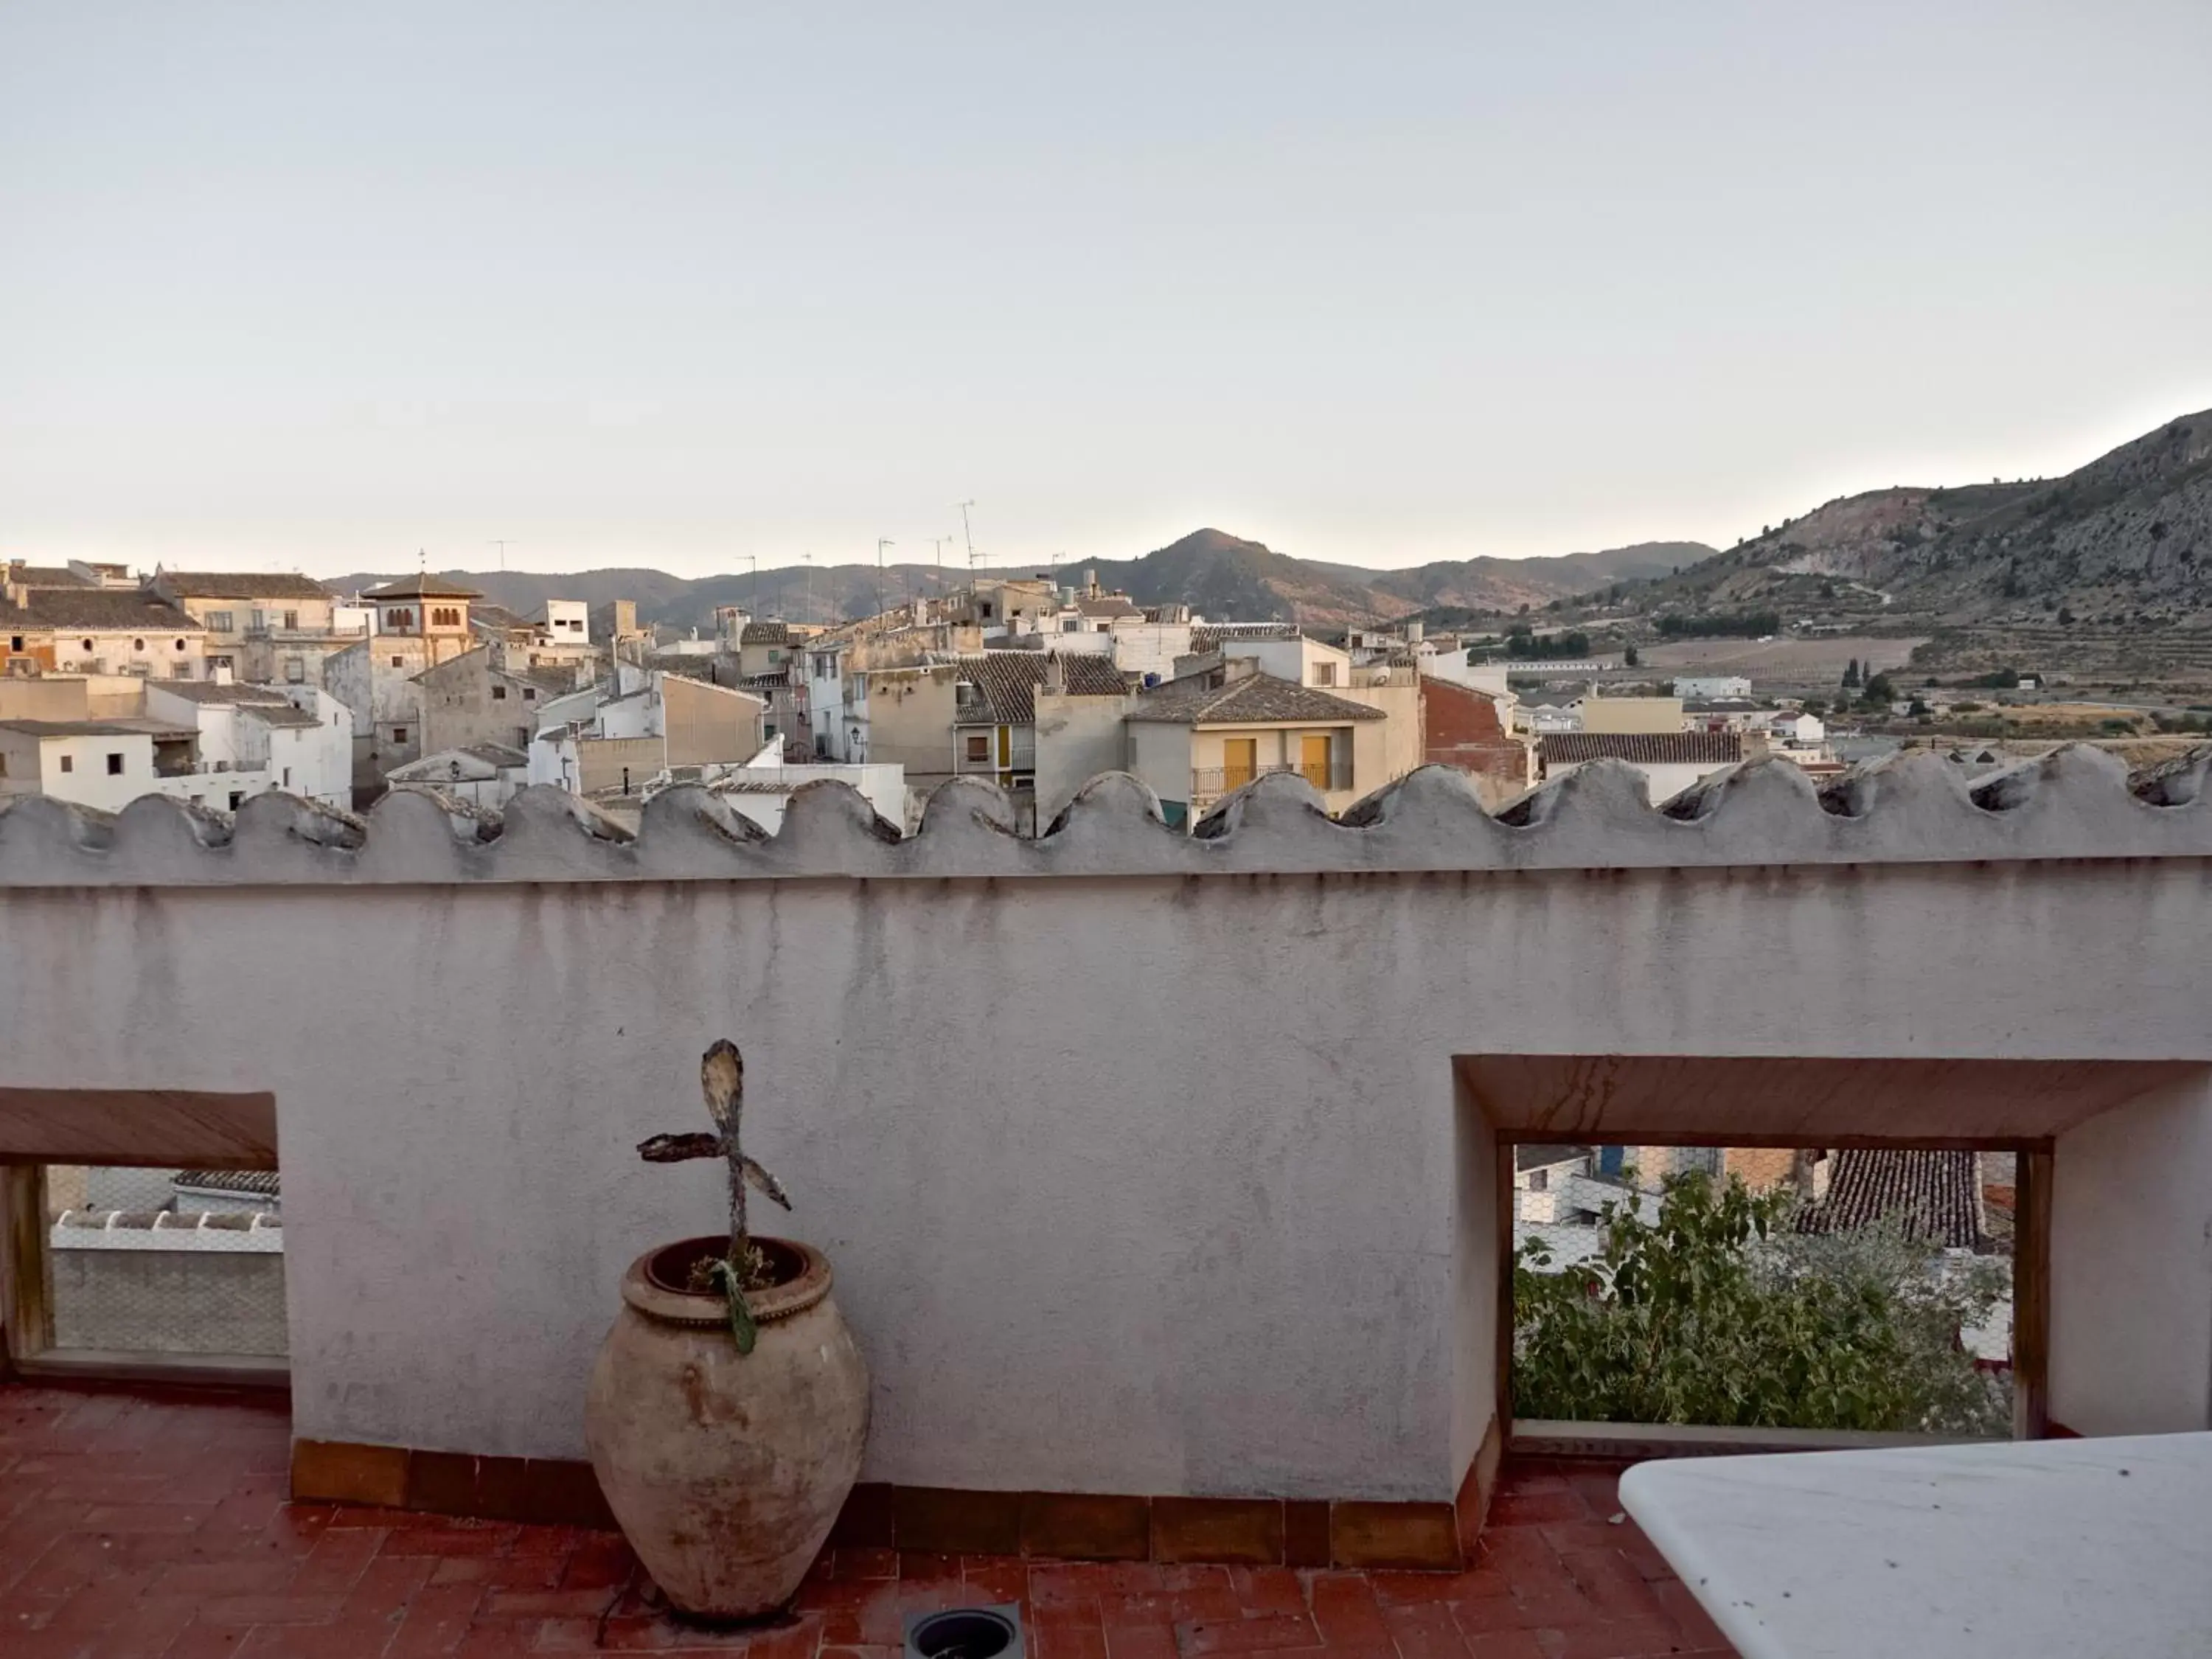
{"x":500,"y":544}
{"x":968,"y":538}
{"x":753,"y":589}
{"x":881,"y":543}
{"x":810,"y":586}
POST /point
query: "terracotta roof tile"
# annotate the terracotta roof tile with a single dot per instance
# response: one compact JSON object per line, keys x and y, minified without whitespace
{"x":1254,"y":699}
{"x":1938,"y":1194}
{"x":240,"y":585}
{"x":1006,"y":682}
{"x":1642,"y":748}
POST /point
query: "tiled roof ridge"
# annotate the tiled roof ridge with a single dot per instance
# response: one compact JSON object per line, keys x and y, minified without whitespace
{"x":2078,"y":804}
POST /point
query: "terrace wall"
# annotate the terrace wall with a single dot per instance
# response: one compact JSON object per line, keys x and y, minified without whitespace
{"x":1182,"y":1194}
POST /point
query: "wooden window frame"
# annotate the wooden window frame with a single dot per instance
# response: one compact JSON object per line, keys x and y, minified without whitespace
{"x":125,"y":1129}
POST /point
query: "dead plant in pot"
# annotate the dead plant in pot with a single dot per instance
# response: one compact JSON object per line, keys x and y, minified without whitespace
{"x":729,"y":1405}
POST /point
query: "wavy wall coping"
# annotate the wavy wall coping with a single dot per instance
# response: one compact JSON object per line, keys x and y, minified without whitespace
{"x":2074,"y":802}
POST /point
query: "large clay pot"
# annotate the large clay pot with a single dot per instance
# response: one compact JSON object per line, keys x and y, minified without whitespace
{"x":726,"y":1471}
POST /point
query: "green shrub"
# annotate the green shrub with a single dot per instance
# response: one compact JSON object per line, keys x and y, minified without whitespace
{"x":1719,"y":1313}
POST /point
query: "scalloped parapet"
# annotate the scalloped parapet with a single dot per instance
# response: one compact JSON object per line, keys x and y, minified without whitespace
{"x":2075,"y":802}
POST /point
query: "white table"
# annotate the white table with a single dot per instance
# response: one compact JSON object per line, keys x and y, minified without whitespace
{"x":2073,"y":1549}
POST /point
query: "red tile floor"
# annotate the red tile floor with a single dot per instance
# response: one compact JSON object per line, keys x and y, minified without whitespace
{"x":134,"y":1525}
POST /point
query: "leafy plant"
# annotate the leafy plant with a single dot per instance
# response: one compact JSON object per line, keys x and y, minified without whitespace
{"x":1718,"y":1312}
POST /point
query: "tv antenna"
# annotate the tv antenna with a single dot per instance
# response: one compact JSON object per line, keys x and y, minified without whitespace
{"x":881,"y":542}
{"x":966,"y":536}
{"x":500,"y":544}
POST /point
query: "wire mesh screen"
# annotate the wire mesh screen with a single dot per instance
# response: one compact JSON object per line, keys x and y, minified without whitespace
{"x":165,"y":1261}
{"x":1762,"y":1287}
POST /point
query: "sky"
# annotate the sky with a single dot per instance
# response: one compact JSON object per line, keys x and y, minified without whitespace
{"x":661,"y":283}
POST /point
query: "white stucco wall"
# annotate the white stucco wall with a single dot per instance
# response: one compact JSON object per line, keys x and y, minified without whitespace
{"x":1076,"y":739}
{"x":2131,"y":1267}
{"x":1203,"y":1208}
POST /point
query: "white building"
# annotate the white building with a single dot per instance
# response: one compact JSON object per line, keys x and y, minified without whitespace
{"x":254,"y":738}
{"x":763,"y":786}
{"x":106,"y":764}
{"x":568,"y":622}
{"x":1712,"y":688}
{"x":1670,"y":760}
{"x":485,"y":775}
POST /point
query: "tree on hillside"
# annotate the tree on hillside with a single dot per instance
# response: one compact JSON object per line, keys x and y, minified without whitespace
{"x":1851,"y":674}
{"x":1629,"y":658}
{"x":1718,"y":1312}
{"x":1878,"y":690}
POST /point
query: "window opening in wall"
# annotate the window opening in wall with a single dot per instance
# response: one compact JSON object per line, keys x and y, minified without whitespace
{"x":499,"y":694}
{"x":69,"y":763}
{"x":115,"y":766}
{"x":1866,"y":1290}
{"x":135,"y":1267}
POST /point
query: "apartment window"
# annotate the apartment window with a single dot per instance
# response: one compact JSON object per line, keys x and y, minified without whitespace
{"x":15,"y":643}
{"x":69,"y":763}
{"x":296,"y":671}
{"x":237,"y":800}
{"x":775,"y":656}
{"x":397,"y":662}
{"x":979,"y":746}
{"x":444,"y":617}
{"x":1539,"y":1180}
{"x":1324,"y":673}
{"x":288,"y":777}
{"x":499,"y":694}
{"x":399,"y":734}
{"x":180,"y":645}
{"x":1071,"y":625}
{"x":529,"y":694}
{"x":137,"y":645}
{"x":181,"y":670}
{"x":220,"y":621}
{"x":87,"y":644}
{"x":291,"y":621}
{"x":114,"y":766}
{"x":257,"y":620}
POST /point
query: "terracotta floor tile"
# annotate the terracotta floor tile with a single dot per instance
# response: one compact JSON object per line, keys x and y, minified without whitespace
{"x":1346,"y":1612}
{"x":1140,"y":1642}
{"x":102,"y":1559}
{"x":1510,"y":1645}
{"x":1425,"y":1631}
{"x":865,"y":1563}
{"x":1264,"y":1633}
{"x":1267,"y":1589}
{"x":1525,"y":1509}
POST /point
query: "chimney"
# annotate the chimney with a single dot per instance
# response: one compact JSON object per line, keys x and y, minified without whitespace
{"x":1055,"y":675}
{"x":223,"y":675}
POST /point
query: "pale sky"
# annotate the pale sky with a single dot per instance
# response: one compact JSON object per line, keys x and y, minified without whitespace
{"x":644,"y":282}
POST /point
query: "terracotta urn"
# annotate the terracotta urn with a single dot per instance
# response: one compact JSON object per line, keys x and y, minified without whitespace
{"x":727,"y":1470}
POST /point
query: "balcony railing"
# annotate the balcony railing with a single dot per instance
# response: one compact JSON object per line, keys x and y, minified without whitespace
{"x":1212,"y":782}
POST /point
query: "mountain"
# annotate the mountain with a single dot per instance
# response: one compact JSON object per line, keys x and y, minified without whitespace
{"x":2113,"y":559}
{"x":1220,"y":576}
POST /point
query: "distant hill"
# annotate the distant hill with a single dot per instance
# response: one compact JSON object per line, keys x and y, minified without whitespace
{"x":2109,"y":566}
{"x":1219,"y":576}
